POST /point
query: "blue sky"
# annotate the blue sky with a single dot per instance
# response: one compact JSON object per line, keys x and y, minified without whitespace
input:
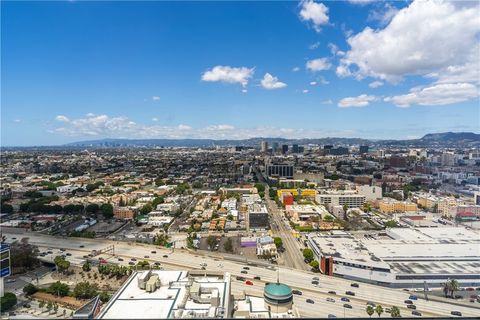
{"x":88,"y":70}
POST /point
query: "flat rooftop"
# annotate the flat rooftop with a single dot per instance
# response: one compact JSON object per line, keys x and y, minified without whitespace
{"x":171,"y":300}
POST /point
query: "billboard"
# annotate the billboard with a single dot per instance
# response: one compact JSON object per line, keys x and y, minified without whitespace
{"x":4,"y":260}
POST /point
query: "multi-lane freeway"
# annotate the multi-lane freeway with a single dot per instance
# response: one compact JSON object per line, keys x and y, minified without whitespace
{"x":297,"y":279}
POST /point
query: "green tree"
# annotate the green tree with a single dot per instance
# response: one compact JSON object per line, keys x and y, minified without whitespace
{"x":395,"y":312}
{"x":228,"y":245}
{"x":329,"y":218}
{"x":314,"y":264}
{"x":61,"y":263}
{"x":85,"y":290}
{"x":278,"y":242}
{"x":92,"y":208}
{"x":157,"y":201}
{"x":86,"y":267}
{"x":104,"y":296}
{"x":107,"y":210}
{"x":41,"y":304}
{"x":370,"y":311}
{"x":23,"y":255}
{"x":391,"y":224}
{"x":379,"y":310}
{"x":211,"y":241}
{"x":29,"y":289}
{"x":8,"y":301}
{"x":453,"y":287}
{"x":159,"y":182}
{"x":146,"y":209}
{"x":6,"y":208}
{"x":58,"y":289}
{"x":260,"y":187}
{"x":308,"y":254}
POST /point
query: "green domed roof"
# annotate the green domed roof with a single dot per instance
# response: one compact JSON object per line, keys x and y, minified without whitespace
{"x":278,"y":289}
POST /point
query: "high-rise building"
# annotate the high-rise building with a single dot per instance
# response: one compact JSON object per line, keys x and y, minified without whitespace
{"x":295,"y":148}
{"x":264,"y":146}
{"x":281,"y":170}
{"x":363,"y":149}
{"x":274,"y":147}
{"x":284,"y":148}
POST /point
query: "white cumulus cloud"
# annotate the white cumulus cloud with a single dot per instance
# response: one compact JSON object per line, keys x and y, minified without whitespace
{"x":316,"y":13}
{"x":155,"y":98}
{"x":62,"y":118}
{"x":270,"y":82}
{"x":318,"y":64}
{"x":439,"y":94}
{"x":375,"y":84}
{"x":362,"y":100}
{"x":229,"y":74}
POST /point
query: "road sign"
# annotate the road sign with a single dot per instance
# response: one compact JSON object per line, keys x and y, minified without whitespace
{"x":4,"y":260}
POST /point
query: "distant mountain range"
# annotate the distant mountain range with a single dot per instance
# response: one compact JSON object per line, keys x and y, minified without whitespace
{"x":458,"y":139}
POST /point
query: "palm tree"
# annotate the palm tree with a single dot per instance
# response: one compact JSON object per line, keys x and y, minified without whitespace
{"x":446,"y":288}
{"x":379,"y":310}
{"x":395,"y":312}
{"x":370,"y":311}
{"x":454,"y":286}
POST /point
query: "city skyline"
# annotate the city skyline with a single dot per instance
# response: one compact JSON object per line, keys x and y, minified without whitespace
{"x":76,"y":71}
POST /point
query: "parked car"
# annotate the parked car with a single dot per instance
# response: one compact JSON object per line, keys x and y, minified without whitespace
{"x":310,"y":301}
{"x":350,"y":293}
{"x":297,"y":292}
{"x":348,"y":306}
{"x":456,"y":313}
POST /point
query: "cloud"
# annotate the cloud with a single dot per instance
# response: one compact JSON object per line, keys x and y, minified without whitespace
{"x":313,"y":83}
{"x":383,"y":15}
{"x":334,"y":50}
{"x":318,"y":64}
{"x":184,"y":127}
{"x":270,"y":82}
{"x":361,"y":2}
{"x":439,"y":94}
{"x":316,"y":13}
{"x":154,"y":119}
{"x":314,"y":46}
{"x":62,"y":118}
{"x":362,"y":100}
{"x":229,"y":75}
{"x":295,"y":69}
{"x":17,"y":120}
{"x":305,"y":91}
{"x":329,"y":101}
{"x":375,"y":84}
{"x":155,"y":98}
{"x":425,"y":37}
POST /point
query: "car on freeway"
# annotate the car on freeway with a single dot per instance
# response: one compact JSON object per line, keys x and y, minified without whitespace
{"x":246,"y":268}
{"x":240,"y":278}
{"x":256,"y":278}
{"x":413,"y":297}
{"x":62,"y":249}
{"x":331,"y":316}
{"x":82,"y":246}
{"x":315,"y":282}
{"x":310,"y":301}
{"x":316,"y":278}
{"x":345,"y":299}
{"x":131,"y":263}
{"x":456,"y":313}
{"x":330,"y":299}
{"x":370,"y":303}
{"x":354,"y":284}
{"x":470,"y":289}
{"x":248,"y":282}
{"x":412,"y":306}
{"x":244,"y":271}
{"x":348,"y":306}
{"x":416,"y":313}
{"x":120,"y":259}
{"x":153,"y":252}
{"x":133,"y":259}
{"x":388,"y":310}
{"x":350,"y":293}
{"x":408,"y":302}
{"x":203,"y":268}
{"x":68,"y":254}
{"x":297,"y":292}
{"x":165,"y":256}
{"x":11,"y":280}
{"x":472,"y":300}
{"x":146,"y":257}
{"x":332,"y":292}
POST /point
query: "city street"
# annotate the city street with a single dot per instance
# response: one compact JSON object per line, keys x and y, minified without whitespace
{"x":297,"y":279}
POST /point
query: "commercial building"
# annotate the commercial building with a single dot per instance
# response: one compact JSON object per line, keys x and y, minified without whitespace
{"x":171,"y":295}
{"x":266,"y":247}
{"x":264,"y":146}
{"x":336,"y":198}
{"x":305,"y":213}
{"x":371,"y":193}
{"x":389,"y":205}
{"x":124,"y":213}
{"x":363,"y":149}
{"x":466,"y":213}
{"x":282,"y":170}
{"x":257,"y":216}
{"x":402,"y":257}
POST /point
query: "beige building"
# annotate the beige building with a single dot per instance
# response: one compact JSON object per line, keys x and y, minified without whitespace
{"x":391,"y":205}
